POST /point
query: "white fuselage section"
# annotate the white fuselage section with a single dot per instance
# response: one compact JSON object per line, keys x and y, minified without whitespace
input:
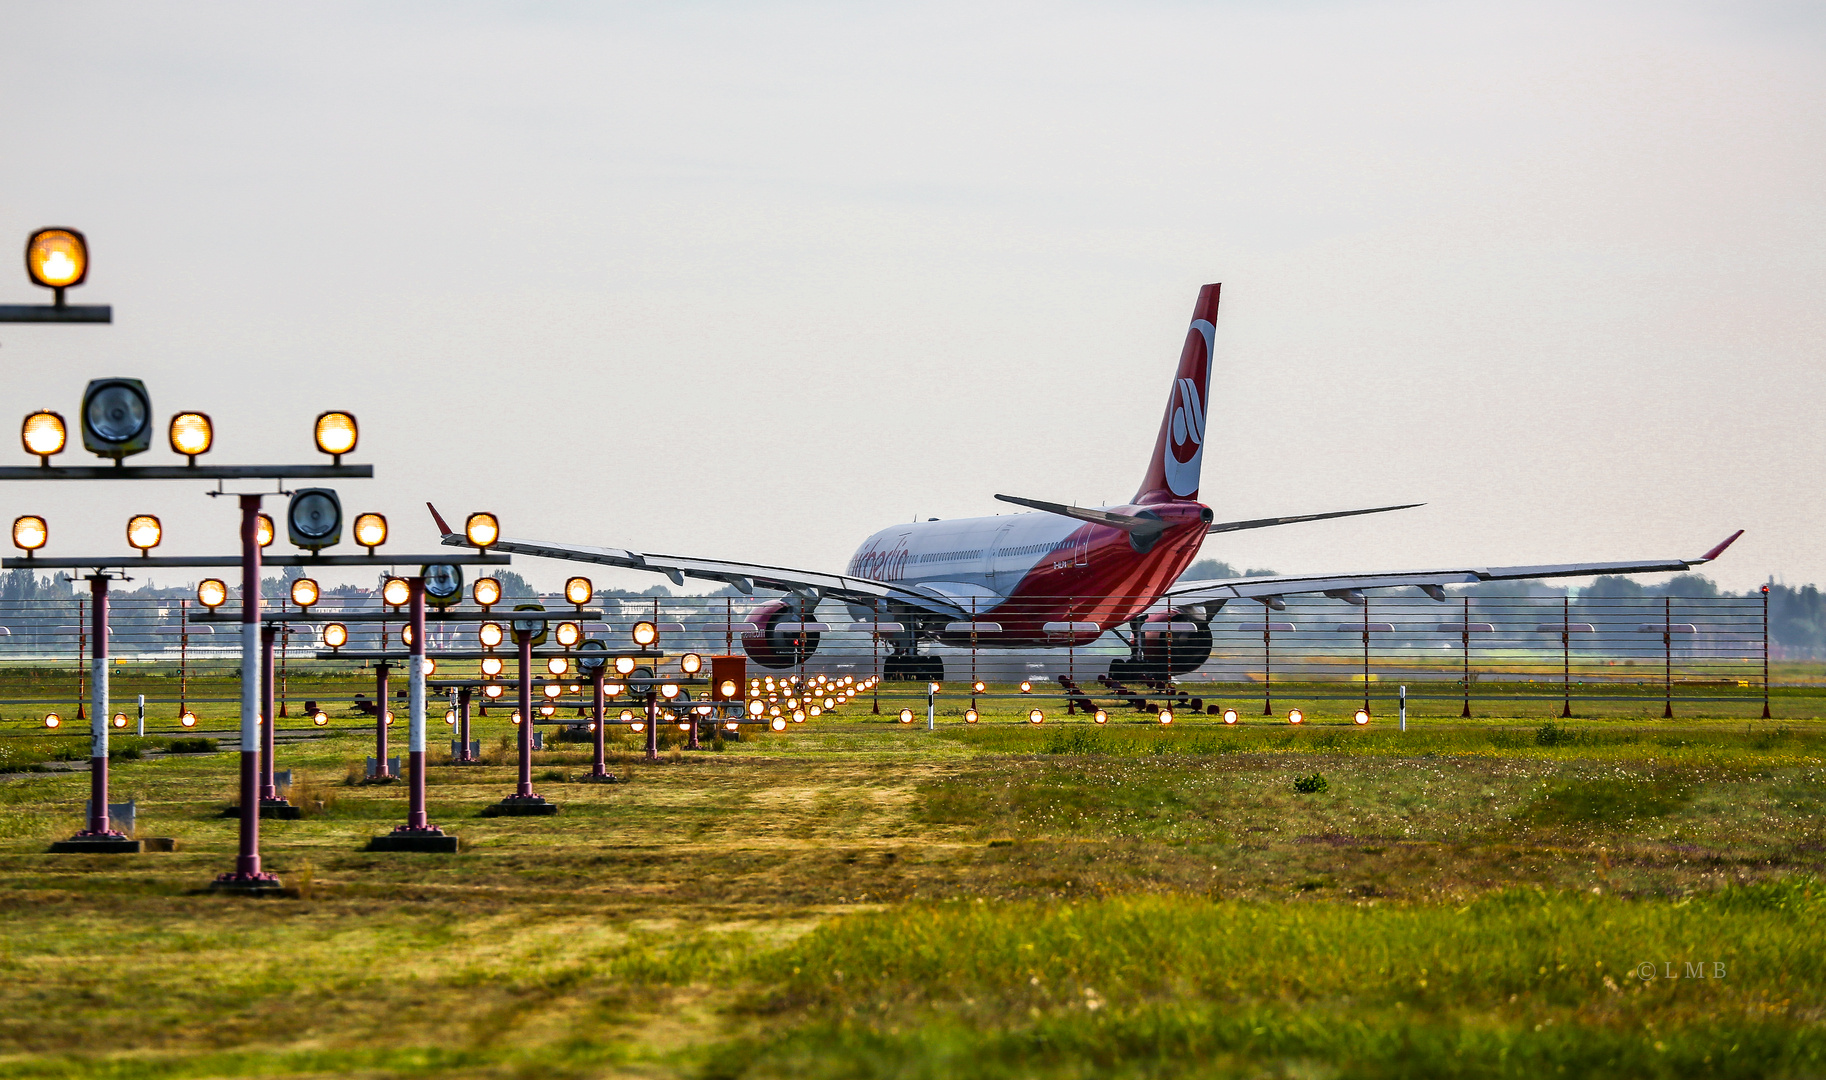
{"x":977,"y":562}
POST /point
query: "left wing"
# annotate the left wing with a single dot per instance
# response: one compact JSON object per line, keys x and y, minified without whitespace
{"x":1350,"y":587}
{"x":744,"y":576}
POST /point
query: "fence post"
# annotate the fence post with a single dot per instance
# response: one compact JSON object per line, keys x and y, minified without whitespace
{"x":1465,"y":634}
{"x":1267,"y":666}
{"x":1667,"y":657}
{"x":1566,"y":653}
{"x":1766,"y":652}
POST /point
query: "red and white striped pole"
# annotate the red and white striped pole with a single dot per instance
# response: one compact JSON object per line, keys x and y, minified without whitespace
{"x":524,"y":639}
{"x":98,"y":717}
{"x":247,"y":874}
{"x":268,"y":792}
{"x":599,"y":767}
{"x":416,"y":821}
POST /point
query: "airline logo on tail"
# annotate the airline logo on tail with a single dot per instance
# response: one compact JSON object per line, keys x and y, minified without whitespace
{"x":1187,"y":450}
{"x":1180,"y":450}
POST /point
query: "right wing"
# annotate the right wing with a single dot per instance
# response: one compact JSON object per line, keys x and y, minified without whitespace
{"x":1349,"y":587}
{"x":744,"y":576}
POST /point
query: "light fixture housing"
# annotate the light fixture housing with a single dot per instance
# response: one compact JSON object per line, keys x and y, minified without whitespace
{"x":1230,"y":716}
{"x":116,"y":418}
{"x":44,"y":434}
{"x":443,"y":584}
{"x":482,"y":529}
{"x":1036,"y":716}
{"x":691,"y":663}
{"x":319,"y":718}
{"x":396,"y":592}
{"x":644,"y":633}
{"x":1362,"y":717}
{"x":1166,"y":716}
{"x":1295,"y":716}
{"x":579,"y":590}
{"x":335,"y":635}
{"x":189,"y":719}
{"x":212,"y":593}
{"x":624,"y":665}
{"x":557,"y":665}
{"x":370,"y":530}
{"x":313,"y":519}
{"x":491,"y":666}
{"x":57,"y":258}
{"x":1101,"y":717}
{"x":336,"y":434}
{"x":489,"y":634}
{"x":30,"y":533}
{"x":263,"y":530}
{"x":970,"y":716}
{"x":144,"y":533}
{"x":568,"y":634}
{"x":668,"y":691}
{"x":553,"y":690}
{"x":305,"y":592}
{"x":52,"y":720}
{"x":191,"y":433}
{"x":492,"y":691}
{"x":487,"y":592}
{"x":906,"y":716}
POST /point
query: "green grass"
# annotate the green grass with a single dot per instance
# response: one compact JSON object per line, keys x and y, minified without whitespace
{"x":862,"y":898}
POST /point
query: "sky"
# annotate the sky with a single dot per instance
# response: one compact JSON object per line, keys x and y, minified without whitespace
{"x":753,"y":280}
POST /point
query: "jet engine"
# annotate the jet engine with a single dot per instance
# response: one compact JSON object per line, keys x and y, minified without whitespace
{"x":772,"y":647}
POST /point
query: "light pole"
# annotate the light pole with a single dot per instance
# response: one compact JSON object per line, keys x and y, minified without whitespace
{"x":417,"y":834}
{"x":524,"y":801}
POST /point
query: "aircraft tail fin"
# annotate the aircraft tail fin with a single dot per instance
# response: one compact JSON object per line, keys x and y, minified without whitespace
{"x":1179,"y":450}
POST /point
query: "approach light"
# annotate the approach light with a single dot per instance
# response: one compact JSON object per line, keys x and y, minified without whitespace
{"x":442,"y":584}
{"x":627,"y":715}
{"x":778,"y":723}
{"x":263,"y":530}
{"x":1295,"y":716}
{"x":313,"y":519}
{"x":1035,"y":717}
{"x":731,"y":725}
{"x":1026,"y":687}
{"x":830,"y":703}
{"x":487,"y":592}
{"x":191,"y":433}
{"x":51,"y":720}
{"x":304,"y":592}
{"x":450,"y":716}
{"x":57,"y":259}
{"x":405,"y":635}
{"x":189,"y":719}
{"x":335,"y":635}
{"x":320,"y":718}
{"x":30,"y":533}
{"x":567,"y":634}
{"x":396,"y":592}
{"x":978,"y":687}
{"x":492,"y":690}
{"x":1101,"y":717}
{"x":593,"y":656}
{"x":612,"y":689}
{"x":491,"y":666}
{"x":547,"y":710}
{"x":482,"y":529}
{"x":637,"y":727}
{"x":970,"y":716}
{"x":116,"y":418}
{"x":516,"y":716}
{"x":624,"y":665}
{"x":489,"y":634}
{"x":726,"y":689}
{"x":1362,"y":717}
{"x":816,"y":711}
{"x":578,"y":590}
{"x":120,"y":719}
{"x":691,"y":663}
{"x":798,"y":716}
{"x":668,"y":691}
{"x":144,"y":532}
{"x":645,"y":633}
{"x":211,"y":593}
{"x":757,"y":707}
{"x":336,"y":434}
{"x":1166,"y":716}
{"x":43,"y":435}
{"x":1229,"y":716}
{"x":370,"y":530}
{"x":389,"y":717}
{"x":933,"y":688}
{"x":557,"y":665}
{"x":906,"y":716}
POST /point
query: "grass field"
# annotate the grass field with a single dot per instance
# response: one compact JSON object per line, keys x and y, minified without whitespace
{"x":1518,"y":896}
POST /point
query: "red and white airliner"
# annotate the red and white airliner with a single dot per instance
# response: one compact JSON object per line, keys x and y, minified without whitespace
{"x":1065,"y":575}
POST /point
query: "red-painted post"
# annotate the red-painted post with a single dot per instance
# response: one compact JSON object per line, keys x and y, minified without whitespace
{"x":463,"y":725}
{"x":247,"y":876}
{"x":98,"y":727}
{"x":524,"y":639}
{"x":383,"y":703}
{"x":599,"y":769}
{"x":652,"y":724}
{"x":416,"y":819}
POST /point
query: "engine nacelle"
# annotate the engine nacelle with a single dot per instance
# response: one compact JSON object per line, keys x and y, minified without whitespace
{"x":771,"y":647}
{"x":1172,"y":653}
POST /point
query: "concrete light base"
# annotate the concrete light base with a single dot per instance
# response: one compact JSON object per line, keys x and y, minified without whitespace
{"x":433,"y":840}
{"x":280,"y":809}
{"x":591,"y":778}
{"x":159,"y":843}
{"x":252,"y":885}
{"x":97,"y":845}
{"x":516,"y":806}
{"x":380,"y":779}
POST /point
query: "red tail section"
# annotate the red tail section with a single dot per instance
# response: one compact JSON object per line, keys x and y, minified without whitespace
{"x":1180,"y":449}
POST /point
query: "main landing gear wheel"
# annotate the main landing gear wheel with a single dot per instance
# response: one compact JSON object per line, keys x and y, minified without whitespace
{"x":914,"y":668}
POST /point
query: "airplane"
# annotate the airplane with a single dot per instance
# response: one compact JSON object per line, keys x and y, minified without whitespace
{"x":1061,"y":576}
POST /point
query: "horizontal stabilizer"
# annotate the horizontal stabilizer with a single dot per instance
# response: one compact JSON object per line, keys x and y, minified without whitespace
{"x":1137,"y":525}
{"x":1263,"y":523}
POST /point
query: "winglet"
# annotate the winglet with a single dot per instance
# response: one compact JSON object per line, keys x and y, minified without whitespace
{"x":1720,"y":549}
{"x":444,"y":529}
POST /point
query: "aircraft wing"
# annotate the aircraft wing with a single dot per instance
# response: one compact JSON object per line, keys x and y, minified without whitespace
{"x":744,"y":576}
{"x":1350,"y":587}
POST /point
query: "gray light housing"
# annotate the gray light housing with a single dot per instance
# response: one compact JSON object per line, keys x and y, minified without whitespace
{"x":313,"y":519}
{"x":116,"y":418}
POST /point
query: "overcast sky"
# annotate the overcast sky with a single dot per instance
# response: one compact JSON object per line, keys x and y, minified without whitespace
{"x":751,"y":281}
